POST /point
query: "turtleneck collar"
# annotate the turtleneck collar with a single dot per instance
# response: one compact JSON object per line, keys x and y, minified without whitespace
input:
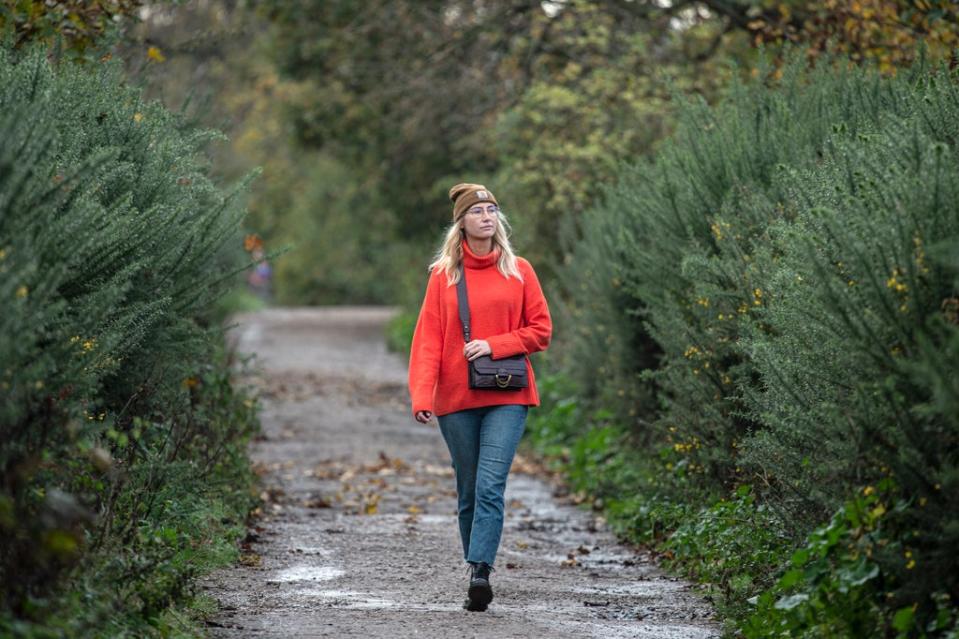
{"x":472,"y":260}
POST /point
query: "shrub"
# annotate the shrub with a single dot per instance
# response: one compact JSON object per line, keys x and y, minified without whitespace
{"x":117,"y":423}
{"x":781,"y":278}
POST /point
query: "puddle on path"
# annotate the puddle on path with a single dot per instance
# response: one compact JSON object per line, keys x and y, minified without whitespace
{"x":306,"y":573}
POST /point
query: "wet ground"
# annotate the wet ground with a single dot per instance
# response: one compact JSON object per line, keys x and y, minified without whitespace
{"x":358,"y":534}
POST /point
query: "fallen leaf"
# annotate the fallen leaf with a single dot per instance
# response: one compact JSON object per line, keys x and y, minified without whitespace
{"x":250,"y":559}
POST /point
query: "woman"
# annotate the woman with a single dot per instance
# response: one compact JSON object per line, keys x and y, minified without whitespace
{"x":481,"y":427}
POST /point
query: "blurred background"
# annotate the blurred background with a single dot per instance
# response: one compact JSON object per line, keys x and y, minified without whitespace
{"x":362,"y":115}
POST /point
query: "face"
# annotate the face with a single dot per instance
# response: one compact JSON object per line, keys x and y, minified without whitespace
{"x":480,"y":220}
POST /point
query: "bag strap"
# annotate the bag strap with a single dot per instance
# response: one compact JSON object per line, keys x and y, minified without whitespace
{"x":463,"y":302}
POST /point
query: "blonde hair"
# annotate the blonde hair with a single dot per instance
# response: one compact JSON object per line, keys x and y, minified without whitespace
{"x":450,"y":254}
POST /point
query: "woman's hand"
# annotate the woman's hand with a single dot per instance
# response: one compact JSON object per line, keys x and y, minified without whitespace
{"x":476,"y":348}
{"x":423,"y":416}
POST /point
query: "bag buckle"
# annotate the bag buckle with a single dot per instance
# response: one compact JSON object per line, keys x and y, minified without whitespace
{"x":501,"y":382}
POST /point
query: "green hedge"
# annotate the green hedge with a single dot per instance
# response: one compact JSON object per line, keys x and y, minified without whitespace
{"x":766,"y":313}
{"x":122,"y":461}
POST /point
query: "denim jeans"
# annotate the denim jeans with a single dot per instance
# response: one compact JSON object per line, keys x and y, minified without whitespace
{"x":482,"y":442}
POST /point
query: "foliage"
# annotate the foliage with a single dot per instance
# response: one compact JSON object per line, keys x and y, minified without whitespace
{"x":344,"y":238}
{"x":121,"y":434}
{"x":80,"y":27}
{"x":886,"y":32}
{"x":730,"y":545}
{"x":399,"y":332}
{"x":778,"y":285}
{"x":829,"y":589}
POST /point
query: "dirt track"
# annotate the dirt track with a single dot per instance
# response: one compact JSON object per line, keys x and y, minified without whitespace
{"x":358,"y":537}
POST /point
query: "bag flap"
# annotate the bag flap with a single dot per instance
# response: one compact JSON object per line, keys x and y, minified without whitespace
{"x":507,"y":366}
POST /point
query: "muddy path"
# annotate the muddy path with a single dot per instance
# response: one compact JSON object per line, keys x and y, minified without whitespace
{"x":358,"y":536}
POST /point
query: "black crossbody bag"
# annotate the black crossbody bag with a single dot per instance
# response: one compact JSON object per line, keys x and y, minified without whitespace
{"x":486,"y":373}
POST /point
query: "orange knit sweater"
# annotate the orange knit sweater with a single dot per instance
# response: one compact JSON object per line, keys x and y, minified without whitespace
{"x":511,"y":315}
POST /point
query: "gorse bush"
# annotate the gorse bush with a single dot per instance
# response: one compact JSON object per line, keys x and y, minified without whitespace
{"x":772,"y":301}
{"x":119,"y":431}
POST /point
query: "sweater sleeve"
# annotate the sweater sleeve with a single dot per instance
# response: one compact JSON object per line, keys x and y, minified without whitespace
{"x":426,"y":349}
{"x":537,"y":330}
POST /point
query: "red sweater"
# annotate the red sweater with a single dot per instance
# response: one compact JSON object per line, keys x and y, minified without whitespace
{"x":511,"y":315}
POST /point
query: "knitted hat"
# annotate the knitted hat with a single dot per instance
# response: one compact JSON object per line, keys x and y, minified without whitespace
{"x":465,"y":195}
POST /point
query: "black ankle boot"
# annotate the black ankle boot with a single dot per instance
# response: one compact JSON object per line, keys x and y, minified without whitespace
{"x":480,"y":591}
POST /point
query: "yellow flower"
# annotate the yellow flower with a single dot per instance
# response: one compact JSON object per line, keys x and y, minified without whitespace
{"x":88,"y":345}
{"x":894,"y":283}
{"x":868,"y":490}
{"x":22,"y":291}
{"x":137,"y":117}
{"x":155,"y":54}
{"x":716,"y":230}
{"x":702,"y":301}
{"x":920,"y":254}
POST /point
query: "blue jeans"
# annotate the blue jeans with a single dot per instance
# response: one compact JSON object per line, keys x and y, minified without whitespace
{"x":482,"y":442}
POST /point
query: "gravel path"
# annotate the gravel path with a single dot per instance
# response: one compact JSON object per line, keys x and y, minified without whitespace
{"x":358,"y":537}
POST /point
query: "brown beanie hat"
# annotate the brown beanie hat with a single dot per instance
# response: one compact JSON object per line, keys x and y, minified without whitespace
{"x":465,"y":195}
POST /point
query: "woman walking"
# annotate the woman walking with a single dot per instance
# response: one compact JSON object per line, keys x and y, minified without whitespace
{"x":479,"y":388}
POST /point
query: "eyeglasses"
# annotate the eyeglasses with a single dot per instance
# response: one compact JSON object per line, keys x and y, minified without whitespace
{"x":477,"y":211}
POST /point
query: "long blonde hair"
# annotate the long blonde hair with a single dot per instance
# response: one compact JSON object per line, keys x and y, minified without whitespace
{"x":450,"y":254}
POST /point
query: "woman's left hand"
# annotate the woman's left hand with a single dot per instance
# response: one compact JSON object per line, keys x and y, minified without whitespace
{"x":476,"y":348}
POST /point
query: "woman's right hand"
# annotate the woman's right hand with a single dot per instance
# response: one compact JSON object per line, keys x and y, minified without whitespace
{"x":423,"y":416}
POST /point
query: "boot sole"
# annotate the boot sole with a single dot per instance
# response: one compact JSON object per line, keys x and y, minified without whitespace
{"x":479,"y":597}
